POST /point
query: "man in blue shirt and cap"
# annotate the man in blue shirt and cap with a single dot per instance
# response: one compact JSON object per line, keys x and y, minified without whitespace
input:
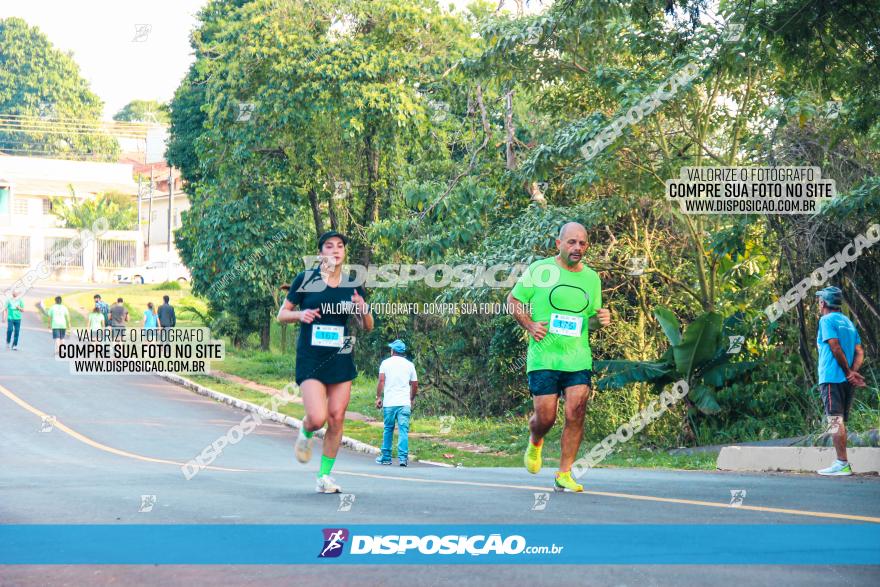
{"x":398,"y":386}
{"x":840,"y":358}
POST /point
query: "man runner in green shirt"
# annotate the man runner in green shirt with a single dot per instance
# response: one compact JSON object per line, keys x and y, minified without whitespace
{"x":565,"y":298}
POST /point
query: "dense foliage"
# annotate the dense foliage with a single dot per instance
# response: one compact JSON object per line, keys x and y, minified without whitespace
{"x":455,"y":137}
{"x":47,"y":107}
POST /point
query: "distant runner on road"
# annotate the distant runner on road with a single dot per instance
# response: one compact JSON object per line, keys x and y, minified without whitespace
{"x":165,"y":313}
{"x":12,"y":315}
{"x":324,"y":364}
{"x":59,"y":322}
{"x":118,"y":316}
{"x":103,"y":308}
{"x":565,"y":297}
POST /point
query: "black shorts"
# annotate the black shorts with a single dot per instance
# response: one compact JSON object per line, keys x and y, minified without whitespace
{"x":326,"y":365}
{"x":548,"y":381}
{"x":59,"y":333}
{"x":837,"y":398}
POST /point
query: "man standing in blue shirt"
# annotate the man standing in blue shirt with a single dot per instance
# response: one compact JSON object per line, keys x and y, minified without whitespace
{"x":840,"y":358}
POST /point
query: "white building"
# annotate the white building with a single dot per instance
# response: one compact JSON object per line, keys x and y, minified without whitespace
{"x":31,"y":234}
{"x":153,"y":206}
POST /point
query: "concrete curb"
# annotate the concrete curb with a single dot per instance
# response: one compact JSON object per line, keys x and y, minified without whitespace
{"x":350,"y":443}
{"x":800,"y":459}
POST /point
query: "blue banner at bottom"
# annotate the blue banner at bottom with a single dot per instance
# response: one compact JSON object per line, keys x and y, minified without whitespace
{"x":246,"y":544}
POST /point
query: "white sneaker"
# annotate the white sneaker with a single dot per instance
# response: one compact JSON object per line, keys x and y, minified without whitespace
{"x":326,"y":484}
{"x":837,"y":469}
{"x":303,"y":447}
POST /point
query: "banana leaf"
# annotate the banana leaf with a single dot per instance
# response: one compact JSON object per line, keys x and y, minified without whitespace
{"x":617,"y":374}
{"x":703,"y":398}
{"x":720,"y":375}
{"x":669,"y":324}
{"x":699,"y":344}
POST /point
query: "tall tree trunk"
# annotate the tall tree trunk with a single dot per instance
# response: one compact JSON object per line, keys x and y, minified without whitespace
{"x":803,"y":350}
{"x":806,"y":358}
{"x":265,"y":334}
{"x":316,"y":212}
{"x":331,"y":210}
{"x":371,"y":202}
{"x":509,"y":130}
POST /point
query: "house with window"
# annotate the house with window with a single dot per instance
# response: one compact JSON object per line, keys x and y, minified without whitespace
{"x":30,"y":233}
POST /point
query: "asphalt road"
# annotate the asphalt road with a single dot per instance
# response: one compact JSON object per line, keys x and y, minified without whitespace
{"x":117,"y":438}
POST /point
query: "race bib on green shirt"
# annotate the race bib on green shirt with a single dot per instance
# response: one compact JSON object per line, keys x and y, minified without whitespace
{"x":565,"y":300}
{"x":565,"y":325}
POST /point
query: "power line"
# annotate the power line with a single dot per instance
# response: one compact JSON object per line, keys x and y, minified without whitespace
{"x":75,"y":132}
{"x":72,"y":119}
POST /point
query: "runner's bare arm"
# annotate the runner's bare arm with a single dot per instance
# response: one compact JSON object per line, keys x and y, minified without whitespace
{"x":363,"y":316}
{"x":288,"y":315}
{"x":601,"y":319}
{"x":538,"y":330}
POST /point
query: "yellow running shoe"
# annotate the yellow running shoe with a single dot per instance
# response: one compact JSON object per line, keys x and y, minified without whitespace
{"x":532,"y":457}
{"x":564,"y":482}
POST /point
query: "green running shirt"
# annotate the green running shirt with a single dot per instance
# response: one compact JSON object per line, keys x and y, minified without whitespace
{"x":565,"y":300}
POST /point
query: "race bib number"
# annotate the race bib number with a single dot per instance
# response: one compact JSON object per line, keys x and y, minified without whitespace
{"x":323,"y":335}
{"x":566,"y":325}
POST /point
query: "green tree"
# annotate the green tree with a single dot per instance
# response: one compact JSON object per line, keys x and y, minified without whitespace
{"x":46,"y":105}
{"x":248,"y":148}
{"x":143,"y":111}
{"x":81,"y":214}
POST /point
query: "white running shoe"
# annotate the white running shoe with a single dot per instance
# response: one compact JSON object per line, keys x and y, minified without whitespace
{"x":303,"y":447}
{"x":837,"y":469}
{"x":326,"y":484}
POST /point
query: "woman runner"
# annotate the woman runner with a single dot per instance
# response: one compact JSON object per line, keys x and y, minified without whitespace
{"x":324,"y":363}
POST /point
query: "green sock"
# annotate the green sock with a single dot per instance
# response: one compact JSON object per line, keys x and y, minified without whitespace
{"x":307,"y":433}
{"x":326,"y":465}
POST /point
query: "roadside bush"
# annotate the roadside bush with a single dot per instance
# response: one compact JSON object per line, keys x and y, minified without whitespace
{"x":169,"y":286}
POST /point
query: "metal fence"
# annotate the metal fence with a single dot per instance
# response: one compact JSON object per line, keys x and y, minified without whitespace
{"x":112,"y":253}
{"x":15,"y":250}
{"x":58,"y":253}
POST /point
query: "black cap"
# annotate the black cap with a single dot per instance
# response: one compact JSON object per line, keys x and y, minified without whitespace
{"x":330,"y":234}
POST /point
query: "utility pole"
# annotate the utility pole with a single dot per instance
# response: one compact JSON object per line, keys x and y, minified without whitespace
{"x":170,"y":205}
{"x":150,"y":212}
{"x":140,"y":191}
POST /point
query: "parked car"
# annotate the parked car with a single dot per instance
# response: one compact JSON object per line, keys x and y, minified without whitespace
{"x":154,"y":272}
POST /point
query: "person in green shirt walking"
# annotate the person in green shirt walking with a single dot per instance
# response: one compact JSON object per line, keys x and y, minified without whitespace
{"x":12,"y":316}
{"x":96,"y":318}
{"x":59,"y":322}
{"x":565,"y":304}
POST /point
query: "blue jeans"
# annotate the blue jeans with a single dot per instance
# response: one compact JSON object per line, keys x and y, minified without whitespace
{"x":400,"y":415}
{"x":13,"y":326}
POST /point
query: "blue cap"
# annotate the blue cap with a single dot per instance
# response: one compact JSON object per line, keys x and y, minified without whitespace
{"x":398,"y":346}
{"x":832,"y":296}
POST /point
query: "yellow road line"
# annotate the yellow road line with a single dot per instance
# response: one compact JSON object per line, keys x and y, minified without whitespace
{"x":713,"y":504}
{"x":98,"y":445}
{"x":123,"y":453}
